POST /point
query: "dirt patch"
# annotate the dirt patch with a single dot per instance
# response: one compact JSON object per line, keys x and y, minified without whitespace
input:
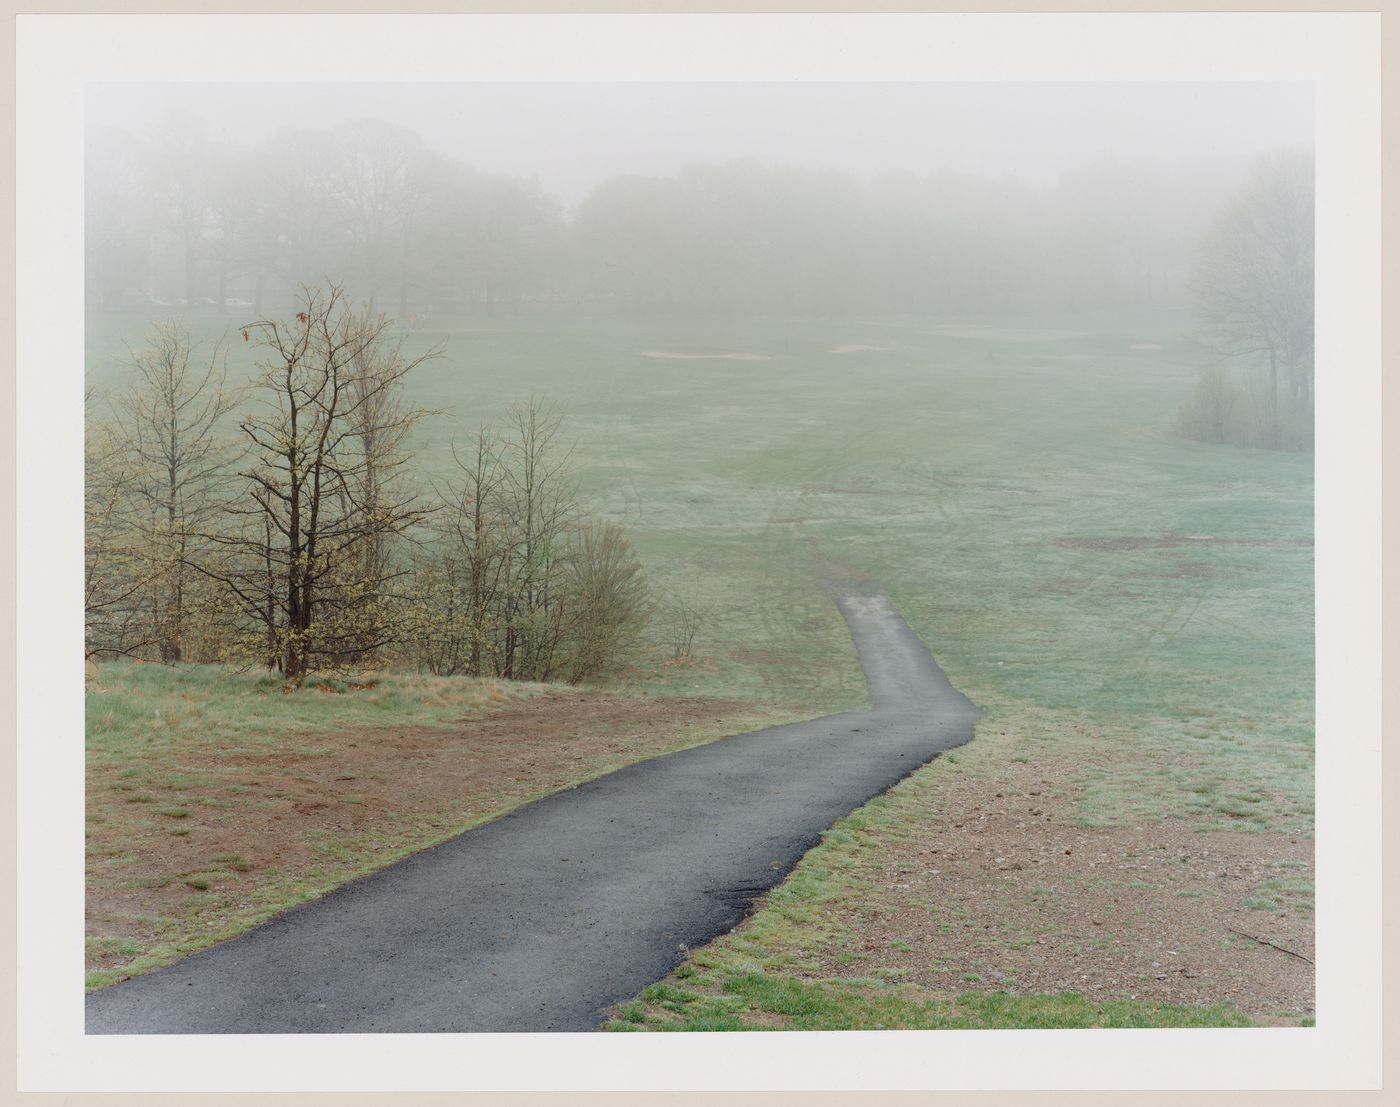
{"x":827,"y":564}
{"x":677,"y":356}
{"x":231,"y":833}
{"x":765,"y":658}
{"x":700,"y":663}
{"x":1121,"y":543}
{"x":835,"y":572}
{"x":854,"y":348}
{"x":1176,"y":568}
{"x":1001,"y":891}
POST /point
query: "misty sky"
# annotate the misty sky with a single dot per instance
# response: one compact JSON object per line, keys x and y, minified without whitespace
{"x":572,"y":136}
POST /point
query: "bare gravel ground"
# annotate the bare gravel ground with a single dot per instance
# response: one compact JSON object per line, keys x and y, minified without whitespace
{"x":991,"y":871}
{"x":990,"y":885}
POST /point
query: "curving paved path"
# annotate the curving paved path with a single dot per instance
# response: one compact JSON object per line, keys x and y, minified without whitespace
{"x":542,"y":919}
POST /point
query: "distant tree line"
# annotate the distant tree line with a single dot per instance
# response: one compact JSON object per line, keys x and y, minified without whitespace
{"x":176,"y":219}
{"x":283,"y":523}
{"x":1253,"y":290}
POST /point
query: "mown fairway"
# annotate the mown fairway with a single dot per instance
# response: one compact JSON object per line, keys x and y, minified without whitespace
{"x":1017,"y":491}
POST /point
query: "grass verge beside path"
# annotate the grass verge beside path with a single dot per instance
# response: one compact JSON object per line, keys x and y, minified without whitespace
{"x":766,"y":1002}
{"x":215,"y":801}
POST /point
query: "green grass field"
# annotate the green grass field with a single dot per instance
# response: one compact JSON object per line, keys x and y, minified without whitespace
{"x":793,"y":1004}
{"x":1017,"y":490}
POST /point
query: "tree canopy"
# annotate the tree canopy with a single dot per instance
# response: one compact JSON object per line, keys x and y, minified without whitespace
{"x":181,"y":221}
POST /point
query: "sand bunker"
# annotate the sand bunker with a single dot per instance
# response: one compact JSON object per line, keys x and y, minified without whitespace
{"x":706,"y":357}
{"x":854,"y":348}
{"x":1144,"y":346}
{"x":1001,"y":334}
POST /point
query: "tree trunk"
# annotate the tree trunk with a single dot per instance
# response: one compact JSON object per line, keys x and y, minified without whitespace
{"x":296,"y":664}
{"x":171,"y":631}
{"x":1273,"y":400}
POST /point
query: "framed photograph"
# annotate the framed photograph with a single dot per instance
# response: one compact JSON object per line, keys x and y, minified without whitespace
{"x":851,"y":536}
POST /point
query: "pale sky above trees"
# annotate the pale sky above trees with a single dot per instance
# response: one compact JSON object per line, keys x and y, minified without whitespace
{"x":573,"y":136}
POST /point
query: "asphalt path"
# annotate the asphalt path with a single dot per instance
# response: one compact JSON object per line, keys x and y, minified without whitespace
{"x":542,"y":919}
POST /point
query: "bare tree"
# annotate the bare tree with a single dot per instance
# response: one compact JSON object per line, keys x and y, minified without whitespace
{"x":379,"y":189}
{"x":324,"y":460}
{"x":168,"y":420}
{"x":682,"y":619}
{"x":521,"y":586}
{"x":539,"y":506}
{"x":115,"y":576}
{"x":436,"y":628}
{"x":482,"y":547}
{"x":177,"y":184}
{"x":608,"y":601}
{"x":1253,"y":282}
{"x":290,"y":223}
{"x":379,"y":420}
